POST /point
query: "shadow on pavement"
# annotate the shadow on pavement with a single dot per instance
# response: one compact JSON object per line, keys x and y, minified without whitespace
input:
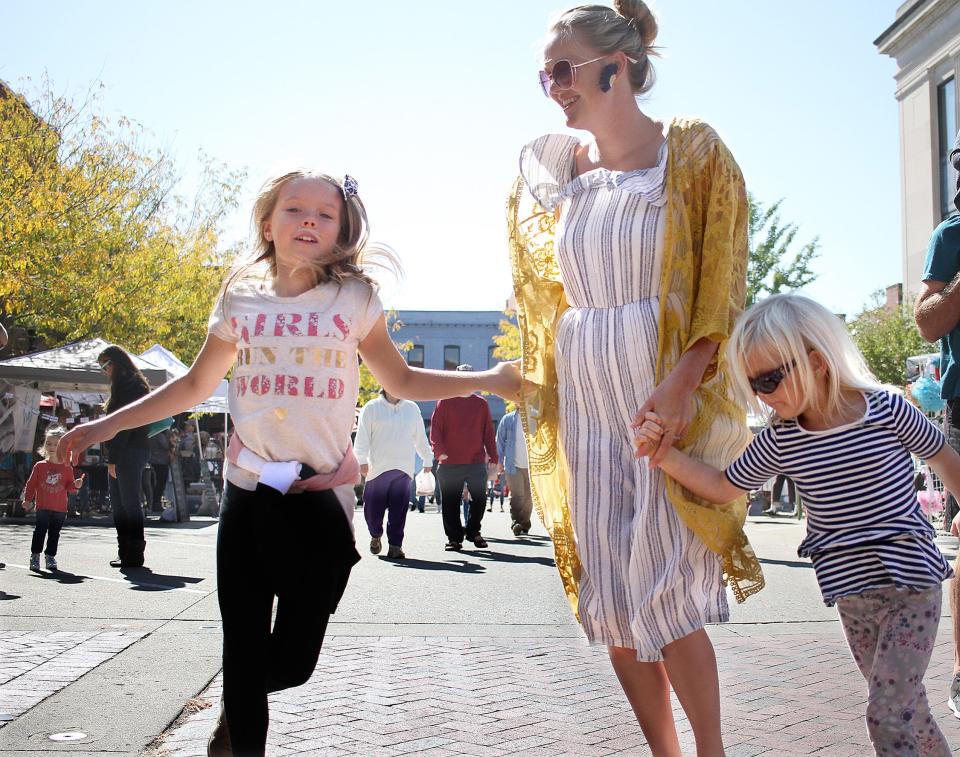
{"x":4,"y":596}
{"x":788,"y":563}
{"x":60,"y":576}
{"x":523,"y":541}
{"x":144,"y":579}
{"x":505,"y":557}
{"x":458,"y":567}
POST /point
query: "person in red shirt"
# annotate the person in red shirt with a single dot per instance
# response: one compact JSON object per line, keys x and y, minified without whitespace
{"x":46,"y":489}
{"x":464,"y":446}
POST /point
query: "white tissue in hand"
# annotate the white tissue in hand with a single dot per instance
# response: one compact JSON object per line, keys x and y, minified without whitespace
{"x":280,"y":476}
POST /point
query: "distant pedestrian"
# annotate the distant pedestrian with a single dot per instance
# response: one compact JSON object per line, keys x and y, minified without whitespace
{"x":847,"y":444}
{"x":46,"y":490}
{"x":389,"y":431}
{"x":512,"y":448}
{"x":161,"y":454}
{"x":937,"y":313}
{"x":127,"y":456}
{"x":461,"y":432}
{"x":291,"y":323}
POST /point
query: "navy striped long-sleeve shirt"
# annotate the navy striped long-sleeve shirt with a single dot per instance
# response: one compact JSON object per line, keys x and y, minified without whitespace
{"x":864,"y":525}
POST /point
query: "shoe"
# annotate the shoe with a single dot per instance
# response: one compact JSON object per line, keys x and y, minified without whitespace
{"x":453,"y":546}
{"x":501,"y":508}
{"x":412,"y":508}
{"x":479,"y":542}
{"x":51,"y":562}
{"x":35,"y":562}
{"x":490,"y":509}
{"x":218,"y":745}
{"x":375,"y":545}
{"x":954,"y":701}
{"x":395,"y":553}
{"x":525,"y":531}
{"x":517,"y":530}
{"x":2,"y":565}
{"x":116,"y":562}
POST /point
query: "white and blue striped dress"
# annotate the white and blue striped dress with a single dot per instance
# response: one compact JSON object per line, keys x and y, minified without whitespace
{"x":865,"y":529}
{"x":646,"y":579}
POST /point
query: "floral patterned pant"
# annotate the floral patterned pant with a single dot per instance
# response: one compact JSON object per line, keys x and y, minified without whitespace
{"x":891,"y":633}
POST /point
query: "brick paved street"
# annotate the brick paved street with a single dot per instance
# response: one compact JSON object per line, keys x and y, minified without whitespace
{"x":467,"y":654}
{"x":786,"y":692}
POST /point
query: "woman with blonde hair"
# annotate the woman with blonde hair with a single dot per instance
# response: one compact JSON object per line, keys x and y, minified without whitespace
{"x":629,"y":270}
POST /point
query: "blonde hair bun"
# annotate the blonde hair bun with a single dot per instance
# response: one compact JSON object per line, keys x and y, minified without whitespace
{"x":641,"y":18}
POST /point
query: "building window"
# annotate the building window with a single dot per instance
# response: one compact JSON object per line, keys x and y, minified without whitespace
{"x":415,"y":356}
{"x":451,"y":357}
{"x":947,"y":122}
{"x":491,"y":358}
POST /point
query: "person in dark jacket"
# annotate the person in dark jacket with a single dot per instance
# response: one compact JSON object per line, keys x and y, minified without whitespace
{"x":127,"y":456}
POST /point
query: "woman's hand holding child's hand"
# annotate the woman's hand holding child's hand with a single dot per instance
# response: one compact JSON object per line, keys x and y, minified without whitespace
{"x":648,"y":431}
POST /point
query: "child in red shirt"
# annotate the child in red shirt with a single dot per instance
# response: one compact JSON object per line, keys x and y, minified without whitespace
{"x":47,"y":489}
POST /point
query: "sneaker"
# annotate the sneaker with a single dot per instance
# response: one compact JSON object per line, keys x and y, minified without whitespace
{"x":35,"y":562}
{"x":954,"y":701}
{"x":517,"y":529}
{"x":479,"y":542}
{"x":453,"y":546}
{"x":395,"y":553}
{"x":375,"y":545}
{"x":51,"y":562}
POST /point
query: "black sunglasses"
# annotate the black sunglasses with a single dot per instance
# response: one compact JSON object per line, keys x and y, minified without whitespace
{"x":767,"y":383}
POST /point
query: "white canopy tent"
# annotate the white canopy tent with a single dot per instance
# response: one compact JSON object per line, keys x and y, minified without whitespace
{"x":161,"y":357}
{"x":71,"y":368}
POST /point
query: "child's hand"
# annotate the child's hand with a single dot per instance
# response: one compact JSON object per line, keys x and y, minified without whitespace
{"x":78,"y":483}
{"x":647,"y":434}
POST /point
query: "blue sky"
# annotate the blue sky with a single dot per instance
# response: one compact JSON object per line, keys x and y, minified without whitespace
{"x":427,"y":104}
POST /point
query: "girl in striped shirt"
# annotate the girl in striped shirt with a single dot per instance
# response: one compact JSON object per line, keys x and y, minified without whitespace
{"x":847,"y":444}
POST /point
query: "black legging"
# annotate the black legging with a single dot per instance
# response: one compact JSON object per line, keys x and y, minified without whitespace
{"x":300,"y":549}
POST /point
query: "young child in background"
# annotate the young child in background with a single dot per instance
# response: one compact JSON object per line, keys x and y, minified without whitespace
{"x":46,"y":490}
{"x":846,"y":443}
{"x":291,"y":324}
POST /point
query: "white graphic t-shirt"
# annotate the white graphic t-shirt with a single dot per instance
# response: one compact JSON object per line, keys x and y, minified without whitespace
{"x":295,"y":381}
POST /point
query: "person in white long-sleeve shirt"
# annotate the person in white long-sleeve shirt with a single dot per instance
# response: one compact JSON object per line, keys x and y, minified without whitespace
{"x":388,"y":432}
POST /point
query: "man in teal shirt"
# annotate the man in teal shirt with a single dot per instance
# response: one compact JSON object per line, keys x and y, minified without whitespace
{"x":938,"y":318}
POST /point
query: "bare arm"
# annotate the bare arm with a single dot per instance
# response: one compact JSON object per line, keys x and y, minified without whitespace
{"x":937,"y":311}
{"x":399,"y":379}
{"x":946,"y":464}
{"x":212,"y":363}
{"x":703,"y":480}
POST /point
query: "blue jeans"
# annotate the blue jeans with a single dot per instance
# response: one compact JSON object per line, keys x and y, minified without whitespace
{"x":49,"y":523}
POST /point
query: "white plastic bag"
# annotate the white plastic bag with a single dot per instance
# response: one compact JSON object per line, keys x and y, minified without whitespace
{"x":426,"y":484}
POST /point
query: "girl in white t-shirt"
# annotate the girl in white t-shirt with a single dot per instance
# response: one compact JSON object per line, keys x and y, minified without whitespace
{"x":290,"y":325}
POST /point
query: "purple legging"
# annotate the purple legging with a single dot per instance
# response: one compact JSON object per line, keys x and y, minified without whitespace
{"x":387,"y":493}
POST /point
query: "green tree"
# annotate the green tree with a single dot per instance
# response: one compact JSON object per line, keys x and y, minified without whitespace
{"x":772,"y":266}
{"x":887,"y":337}
{"x":508,"y":340}
{"x":94,"y":238}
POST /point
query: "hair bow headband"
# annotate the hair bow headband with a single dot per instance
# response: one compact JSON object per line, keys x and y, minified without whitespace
{"x":349,"y":186}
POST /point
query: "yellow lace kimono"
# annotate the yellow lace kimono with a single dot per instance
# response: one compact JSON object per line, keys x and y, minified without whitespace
{"x":702,"y":291}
